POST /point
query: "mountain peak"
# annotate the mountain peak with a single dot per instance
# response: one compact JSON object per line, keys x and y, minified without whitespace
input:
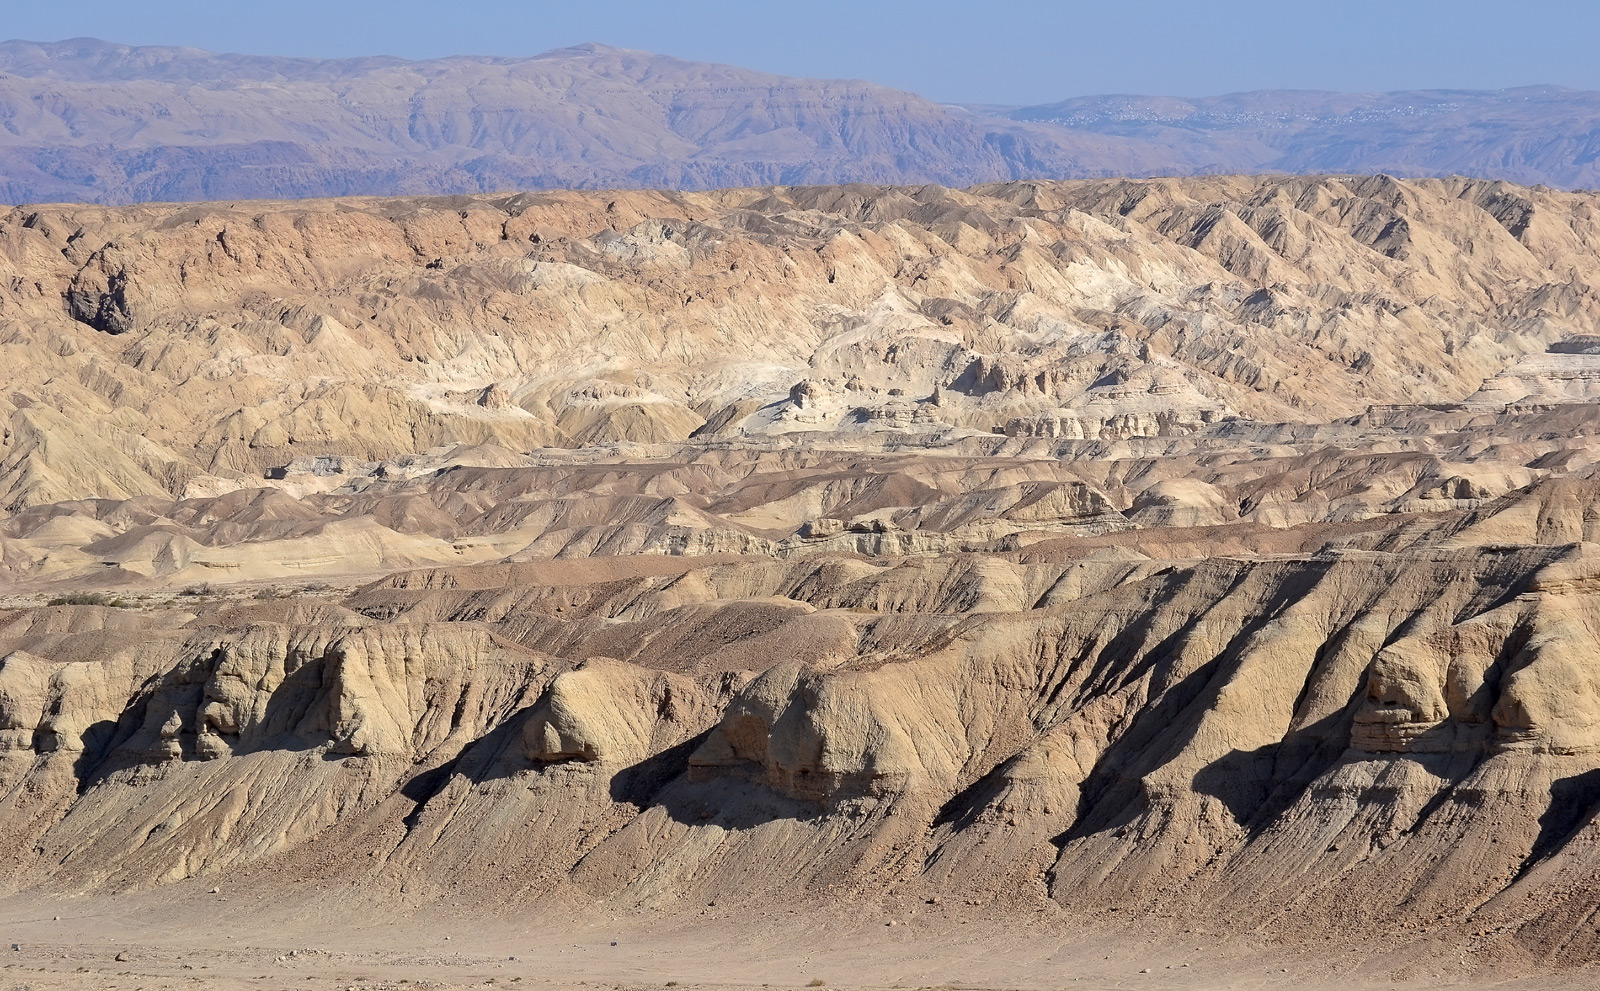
{"x":596,"y":48}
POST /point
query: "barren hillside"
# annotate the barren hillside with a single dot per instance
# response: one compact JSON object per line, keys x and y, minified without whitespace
{"x":88,"y":120}
{"x":1206,"y":560}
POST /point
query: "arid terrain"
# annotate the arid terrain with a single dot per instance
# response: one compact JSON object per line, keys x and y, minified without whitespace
{"x":1163,"y":583}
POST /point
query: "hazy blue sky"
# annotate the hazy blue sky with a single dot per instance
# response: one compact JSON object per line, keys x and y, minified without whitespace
{"x":1017,"y":52}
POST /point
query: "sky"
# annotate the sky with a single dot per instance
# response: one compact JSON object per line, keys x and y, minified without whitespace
{"x":974,"y":52}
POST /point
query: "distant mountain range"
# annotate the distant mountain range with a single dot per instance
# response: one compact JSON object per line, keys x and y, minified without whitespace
{"x":89,"y":120}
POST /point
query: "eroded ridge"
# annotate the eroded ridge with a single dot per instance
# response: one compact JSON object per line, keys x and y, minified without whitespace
{"x":1215,"y":550}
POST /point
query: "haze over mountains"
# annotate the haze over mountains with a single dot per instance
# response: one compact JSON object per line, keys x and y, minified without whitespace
{"x":86,"y":120}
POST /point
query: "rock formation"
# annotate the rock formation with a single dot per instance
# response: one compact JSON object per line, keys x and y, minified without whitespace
{"x":1164,"y":551}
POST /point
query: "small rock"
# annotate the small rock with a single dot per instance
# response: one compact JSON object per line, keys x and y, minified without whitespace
{"x":805,"y":393}
{"x":495,"y":396}
{"x":122,"y":957}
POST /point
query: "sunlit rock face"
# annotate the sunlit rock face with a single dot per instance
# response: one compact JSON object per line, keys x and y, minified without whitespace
{"x":1520,"y":678}
{"x":1437,"y":692}
{"x":615,"y":714}
{"x":1135,"y":545}
{"x":1550,"y":697}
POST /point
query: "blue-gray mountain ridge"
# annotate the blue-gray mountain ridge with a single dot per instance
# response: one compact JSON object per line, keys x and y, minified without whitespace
{"x":87,"y":120}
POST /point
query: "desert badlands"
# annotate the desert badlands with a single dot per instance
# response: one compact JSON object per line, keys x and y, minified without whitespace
{"x":1123,"y":583}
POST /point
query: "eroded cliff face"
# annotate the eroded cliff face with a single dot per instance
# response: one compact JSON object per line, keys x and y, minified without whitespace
{"x":1352,"y":740}
{"x":1211,"y":550}
{"x":210,"y":343}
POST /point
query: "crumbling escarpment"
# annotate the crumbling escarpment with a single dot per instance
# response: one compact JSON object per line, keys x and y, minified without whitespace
{"x":1350,"y":738}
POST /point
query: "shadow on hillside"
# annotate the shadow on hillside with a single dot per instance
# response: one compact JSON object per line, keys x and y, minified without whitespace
{"x":1574,"y":803}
